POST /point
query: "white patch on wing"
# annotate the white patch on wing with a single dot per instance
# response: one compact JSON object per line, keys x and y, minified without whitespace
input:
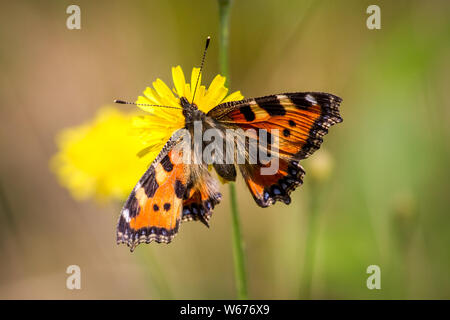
{"x":281,"y":96}
{"x":311,"y":99}
{"x":138,"y":186}
{"x":126,"y":215}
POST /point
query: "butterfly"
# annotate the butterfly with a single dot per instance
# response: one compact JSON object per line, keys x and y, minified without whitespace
{"x":173,"y":191}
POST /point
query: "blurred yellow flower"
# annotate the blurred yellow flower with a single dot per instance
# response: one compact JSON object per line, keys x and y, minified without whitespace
{"x":98,"y":159}
{"x":157,"y":128}
{"x":321,"y":166}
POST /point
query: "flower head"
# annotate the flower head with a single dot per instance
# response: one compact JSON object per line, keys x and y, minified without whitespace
{"x":98,"y":159}
{"x":157,"y":128}
{"x":322,"y":166}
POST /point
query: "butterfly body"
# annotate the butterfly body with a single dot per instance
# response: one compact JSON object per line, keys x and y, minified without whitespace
{"x":191,"y":112}
{"x":174,"y":191}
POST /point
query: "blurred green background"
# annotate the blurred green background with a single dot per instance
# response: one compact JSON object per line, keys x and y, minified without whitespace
{"x":385,"y":201}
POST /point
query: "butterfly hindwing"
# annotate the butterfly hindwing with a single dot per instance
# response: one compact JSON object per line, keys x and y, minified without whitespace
{"x":201,"y":196}
{"x":302,"y":119}
{"x":266,"y":189}
{"x":153,"y":209}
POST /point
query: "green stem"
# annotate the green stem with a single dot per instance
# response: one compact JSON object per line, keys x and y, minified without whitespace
{"x":155,"y":273}
{"x":224,"y":14}
{"x":310,"y":248}
{"x":238,"y":251}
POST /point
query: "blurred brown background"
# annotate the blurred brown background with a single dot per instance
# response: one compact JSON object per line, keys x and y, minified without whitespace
{"x":386,"y":202}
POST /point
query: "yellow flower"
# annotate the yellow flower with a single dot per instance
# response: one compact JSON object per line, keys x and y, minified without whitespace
{"x":157,"y":128}
{"x":321,"y":166}
{"x":98,"y":159}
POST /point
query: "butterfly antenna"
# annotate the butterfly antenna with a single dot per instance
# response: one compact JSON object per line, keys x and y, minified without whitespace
{"x":201,"y":66}
{"x":144,"y":104}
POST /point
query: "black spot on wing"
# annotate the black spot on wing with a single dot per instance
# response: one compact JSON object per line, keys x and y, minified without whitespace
{"x":247,"y":112}
{"x":122,"y":225}
{"x":272,"y":105}
{"x":167,"y":164}
{"x":299,"y":100}
{"x":132,"y":205}
{"x":150,"y":185}
{"x":180,"y":189}
{"x":167,"y":206}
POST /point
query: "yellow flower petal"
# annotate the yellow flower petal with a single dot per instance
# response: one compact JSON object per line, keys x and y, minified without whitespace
{"x":142,"y":102}
{"x":199,"y":95}
{"x":187,"y":92}
{"x":218,"y":82}
{"x":178,"y":80}
{"x":219,"y":95}
{"x":235,"y":96}
{"x":165,"y":94}
{"x":151,"y":95}
{"x":215,"y":94}
{"x":194,"y":76}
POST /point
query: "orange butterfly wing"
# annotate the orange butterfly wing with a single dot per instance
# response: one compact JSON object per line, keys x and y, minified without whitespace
{"x":153,"y":209}
{"x":302,"y":119}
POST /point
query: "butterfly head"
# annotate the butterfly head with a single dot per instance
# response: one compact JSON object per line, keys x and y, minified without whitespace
{"x":191,"y":111}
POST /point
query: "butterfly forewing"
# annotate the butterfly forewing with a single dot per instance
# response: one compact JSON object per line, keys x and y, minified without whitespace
{"x":301,"y":120}
{"x":153,"y":209}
